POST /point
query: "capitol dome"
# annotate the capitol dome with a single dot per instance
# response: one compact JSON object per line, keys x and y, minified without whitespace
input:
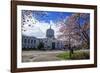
{"x":50,"y":33}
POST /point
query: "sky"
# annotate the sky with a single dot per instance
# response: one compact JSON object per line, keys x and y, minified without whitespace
{"x":35,"y":23}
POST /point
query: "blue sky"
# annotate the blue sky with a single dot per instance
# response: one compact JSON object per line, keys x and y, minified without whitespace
{"x":52,"y":16}
{"x":37,"y":22}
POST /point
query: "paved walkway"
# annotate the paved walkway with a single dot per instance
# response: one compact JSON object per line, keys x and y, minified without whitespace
{"x":36,"y":56}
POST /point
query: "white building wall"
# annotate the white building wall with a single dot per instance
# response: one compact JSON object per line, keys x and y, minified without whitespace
{"x":32,"y":42}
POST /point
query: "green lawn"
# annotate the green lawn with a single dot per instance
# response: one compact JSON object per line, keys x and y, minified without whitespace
{"x":75,"y":56}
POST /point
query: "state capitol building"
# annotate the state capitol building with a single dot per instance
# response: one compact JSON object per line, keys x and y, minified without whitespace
{"x":49,"y":43}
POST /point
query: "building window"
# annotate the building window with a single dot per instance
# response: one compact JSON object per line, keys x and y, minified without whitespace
{"x":34,"y":41}
{"x":31,"y":41}
{"x":25,"y":41}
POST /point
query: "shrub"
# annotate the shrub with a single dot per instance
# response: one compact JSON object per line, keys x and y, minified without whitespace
{"x":77,"y":55}
{"x":41,"y":46}
{"x":80,"y":55}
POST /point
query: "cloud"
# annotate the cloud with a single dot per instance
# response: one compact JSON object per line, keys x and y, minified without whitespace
{"x":36,"y":28}
{"x":39,"y":28}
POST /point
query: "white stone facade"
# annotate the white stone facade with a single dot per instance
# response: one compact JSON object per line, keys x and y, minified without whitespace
{"x":50,"y":42}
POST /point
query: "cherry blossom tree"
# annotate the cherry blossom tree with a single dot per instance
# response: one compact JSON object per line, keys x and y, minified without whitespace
{"x":75,"y":30}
